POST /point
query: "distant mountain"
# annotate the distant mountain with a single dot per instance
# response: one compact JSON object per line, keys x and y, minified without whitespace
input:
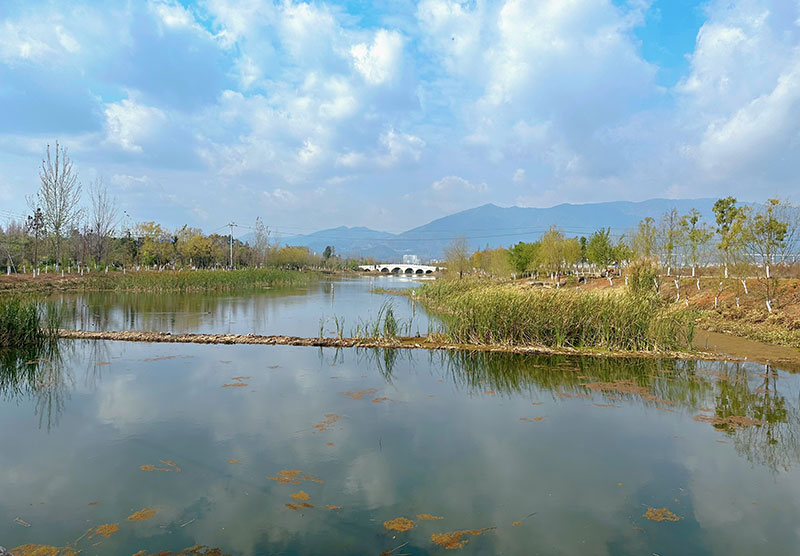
{"x":495,"y":226}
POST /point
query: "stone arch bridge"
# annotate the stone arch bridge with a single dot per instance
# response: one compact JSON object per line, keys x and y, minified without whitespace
{"x":400,"y":268}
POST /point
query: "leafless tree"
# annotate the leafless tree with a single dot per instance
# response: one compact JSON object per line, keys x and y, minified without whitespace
{"x":103,"y":219}
{"x":58,"y":196}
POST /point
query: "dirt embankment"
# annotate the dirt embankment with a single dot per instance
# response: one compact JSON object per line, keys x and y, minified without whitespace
{"x":429,"y":343}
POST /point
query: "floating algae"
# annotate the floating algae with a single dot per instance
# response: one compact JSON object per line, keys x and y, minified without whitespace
{"x":105,"y":530}
{"x":329,"y":444}
{"x":172,"y":467}
{"x":333,"y":507}
{"x":330,"y":419}
{"x":661,"y":514}
{"x":529,"y":420}
{"x":455,"y":539}
{"x":378,"y":400}
{"x":302,"y":495}
{"x":299,"y":506}
{"x":235,"y":385}
{"x":399,"y":524}
{"x":233,"y":461}
{"x":292,"y":477}
{"x":142,"y":514}
{"x":197,"y":550}
{"x":428,"y":517}
{"x":516,"y":524}
{"x":360,"y":394}
{"x":38,"y":550}
{"x":94,"y":503}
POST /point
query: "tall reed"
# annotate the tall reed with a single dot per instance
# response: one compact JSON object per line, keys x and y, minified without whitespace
{"x":196,"y":280}
{"x":27,"y":322}
{"x":482,"y":312}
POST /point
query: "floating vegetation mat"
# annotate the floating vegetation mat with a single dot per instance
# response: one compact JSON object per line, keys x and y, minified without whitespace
{"x":292,"y":477}
{"x":299,"y":506}
{"x":142,"y":515}
{"x":328,"y":506}
{"x":732,"y":422}
{"x":197,"y":550}
{"x":41,"y":550}
{"x":456,"y":539}
{"x":330,"y":419}
{"x":529,"y":420}
{"x":105,"y":530}
{"x":302,"y":495}
{"x":399,"y":524}
{"x":361,"y":393}
{"x":661,"y":514}
{"x":428,"y":517}
{"x":171,"y":467}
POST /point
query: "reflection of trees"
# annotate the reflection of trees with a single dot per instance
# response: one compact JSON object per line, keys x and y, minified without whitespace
{"x":38,"y":373}
{"x":776,"y":442}
{"x":731,"y":389}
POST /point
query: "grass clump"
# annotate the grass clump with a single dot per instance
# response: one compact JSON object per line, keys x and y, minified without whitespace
{"x":196,"y":280}
{"x":27,"y":322}
{"x":482,"y":312}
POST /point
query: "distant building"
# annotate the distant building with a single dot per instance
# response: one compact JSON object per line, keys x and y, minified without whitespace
{"x":411,"y":259}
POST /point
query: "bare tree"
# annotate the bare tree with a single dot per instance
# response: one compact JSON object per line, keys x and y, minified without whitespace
{"x":103,"y":219}
{"x":457,"y":256}
{"x":261,"y":246}
{"x":58,"y":196}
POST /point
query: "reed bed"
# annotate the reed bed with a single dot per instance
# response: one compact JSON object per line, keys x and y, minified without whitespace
{"x":27,"y":322}
{"x":482,"y":312}
{"x":197,"y":280}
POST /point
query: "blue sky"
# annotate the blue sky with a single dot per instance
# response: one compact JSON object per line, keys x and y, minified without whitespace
{"x":391,"y":113}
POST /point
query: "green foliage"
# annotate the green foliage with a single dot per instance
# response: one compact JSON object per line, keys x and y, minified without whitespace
{"x":27,"y":322}
{"x":645,"y":238}
{"x":697,"y":235}
{"x":600,"y":250}
{"x":730,"y":220}
{"x":642,"y":277}
{"x":522,"y":256}
{"x":482,"y":312}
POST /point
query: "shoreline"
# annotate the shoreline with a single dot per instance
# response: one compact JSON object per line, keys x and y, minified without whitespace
{"x":719,"y":350}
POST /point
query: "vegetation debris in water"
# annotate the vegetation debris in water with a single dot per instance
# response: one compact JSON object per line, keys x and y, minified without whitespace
{"x":516,"y":524}
{"x":105,"y":530}
{"x":399,"y":524}
{"x":378,"y":400}
{"x":142,"y":515}
{"x":529,"y":420}
{"x":292,"y":477}
{"x":299,"y":506}
{"x":428,"y":517}
{"x":333,"y":507}
{"x":41,"y":550}
{"x":235,"y":385}
{"x":171,"y":467}
{"x":301,"y":495}
{"x":233,"y":461}
{"x":732,"y":422}
{"x":94,"y":503}
{"x":661,"y":514}
{"x":455,"y":539}
{"x":197,"y":550}
{"x":330,"y":419}
{"x":360,"y":394}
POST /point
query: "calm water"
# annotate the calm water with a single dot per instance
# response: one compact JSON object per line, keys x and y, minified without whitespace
{"x":279,"y":311}
{"x":541,"y":455}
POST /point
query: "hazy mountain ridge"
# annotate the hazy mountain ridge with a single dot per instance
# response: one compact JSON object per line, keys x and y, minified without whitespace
{"x":495,"y":226}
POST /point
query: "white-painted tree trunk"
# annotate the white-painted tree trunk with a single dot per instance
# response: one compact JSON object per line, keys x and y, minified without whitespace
{"x":744,"y":284}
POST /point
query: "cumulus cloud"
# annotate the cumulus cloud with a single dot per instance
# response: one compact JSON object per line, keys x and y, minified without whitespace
{"x":267,"y":100}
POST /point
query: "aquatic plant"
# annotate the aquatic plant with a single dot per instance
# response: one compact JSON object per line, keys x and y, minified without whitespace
{"x":483,"y":312}
{"x":26,"y":322}
{"x":196,"y":280}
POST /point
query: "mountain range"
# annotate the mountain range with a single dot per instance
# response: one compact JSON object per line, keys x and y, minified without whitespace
{"x":494,"y":226}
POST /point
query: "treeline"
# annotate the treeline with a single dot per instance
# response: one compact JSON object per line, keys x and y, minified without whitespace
{"x":739,"y":238}
{"x":66,"y":228}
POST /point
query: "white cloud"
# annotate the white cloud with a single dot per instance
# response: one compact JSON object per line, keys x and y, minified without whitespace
{"x":519,"y":175}
{"x":129,"y":123}
{"x":455,"y":184}
{"x":379,"y":62}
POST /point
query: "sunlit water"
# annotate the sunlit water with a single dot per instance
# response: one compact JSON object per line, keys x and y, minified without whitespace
{"x":541,"y":455}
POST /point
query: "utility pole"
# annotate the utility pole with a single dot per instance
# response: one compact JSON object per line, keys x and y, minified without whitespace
{"x":231,"y":225}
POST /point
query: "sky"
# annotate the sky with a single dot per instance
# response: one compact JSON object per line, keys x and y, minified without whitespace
{"x":391,"y":113}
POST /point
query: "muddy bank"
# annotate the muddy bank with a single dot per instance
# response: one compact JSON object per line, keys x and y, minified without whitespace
{"x":731,"y":346}
{"x":398,"y":343}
